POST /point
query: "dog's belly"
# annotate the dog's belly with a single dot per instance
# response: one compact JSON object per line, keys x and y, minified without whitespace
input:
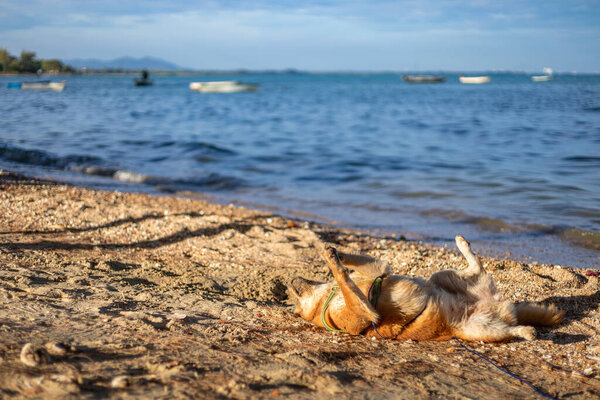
{"x":430,"y":325}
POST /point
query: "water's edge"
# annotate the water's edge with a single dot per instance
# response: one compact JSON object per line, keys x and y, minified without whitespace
{"x":526,"y":247}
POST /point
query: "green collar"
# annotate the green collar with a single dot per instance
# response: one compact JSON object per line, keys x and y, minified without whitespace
{"x":373,"y":295}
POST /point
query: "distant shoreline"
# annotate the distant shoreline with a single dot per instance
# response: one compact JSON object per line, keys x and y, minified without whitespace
{"x":277,"y":72}
{"x":162,"y":72}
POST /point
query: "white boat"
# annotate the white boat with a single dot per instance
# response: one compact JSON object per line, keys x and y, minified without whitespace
{"x":543,"y":78}
{"x":223,"y":87}
{"x":474,"y":79}
{"x":43,"y":85}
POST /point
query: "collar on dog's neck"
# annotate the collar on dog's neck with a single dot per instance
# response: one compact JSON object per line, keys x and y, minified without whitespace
{"x":324,"y":310}
{"x":372,"y":295}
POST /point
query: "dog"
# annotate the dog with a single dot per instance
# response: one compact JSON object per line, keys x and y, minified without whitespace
{"x":452,"y":303}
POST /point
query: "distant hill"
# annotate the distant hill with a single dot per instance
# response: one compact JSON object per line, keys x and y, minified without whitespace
{"x":150,"y":63}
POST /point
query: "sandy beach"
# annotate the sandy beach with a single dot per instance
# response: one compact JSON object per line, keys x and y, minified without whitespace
{"x":130,"y":295}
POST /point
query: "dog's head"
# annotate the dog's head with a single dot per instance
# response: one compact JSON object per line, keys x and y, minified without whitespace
{"x":306,"y":294}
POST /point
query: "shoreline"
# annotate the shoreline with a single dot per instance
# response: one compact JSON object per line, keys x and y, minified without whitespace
{"x":497,"y":238}
{"x":166,"y":296}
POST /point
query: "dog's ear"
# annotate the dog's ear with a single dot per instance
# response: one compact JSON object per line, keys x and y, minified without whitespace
{"x":302,"y":291}
{"x":300,"y":287}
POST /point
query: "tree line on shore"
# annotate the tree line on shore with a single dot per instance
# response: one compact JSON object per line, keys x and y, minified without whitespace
{"x":28,"y":63}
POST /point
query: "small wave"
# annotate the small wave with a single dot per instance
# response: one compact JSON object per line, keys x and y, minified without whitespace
{"x":413,"y":123}
{"x":523,"y":129}
{"x":210,"y":181}
{"x":451,"y":215}
{"x":495,"y":225}
{"x":167,"y":143}
{"x":583,"y":159}
{"x":577,"y":237}
{"x":117,"y":174}
{"x":271,"y":158}
{"x":566,"y":188}
{"x":50,"y":107}
{"x":207,"y":147}
{"x":43,"y":158}
{"x":420,"y":194}
{"x":136,"y":142}
{"x":335,"y":178}
{"x":215,"y":181}
{"x":147,"y":113}
{"x":460,"y":131}
{"x":491,"y":224}
{"x":93,"y":170}
{"x":444,"y":165}
{"x":581,"y":238}
{"x":206,"y":159}
{"x":95,"y":166}
{"x":134,"y":177}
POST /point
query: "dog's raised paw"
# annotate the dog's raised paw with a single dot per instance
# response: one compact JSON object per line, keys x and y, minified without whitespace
{"x":331,"y":252}
{"x":462,"y":243}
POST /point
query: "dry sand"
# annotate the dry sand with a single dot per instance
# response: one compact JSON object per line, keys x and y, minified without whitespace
{"x":162,"y":297}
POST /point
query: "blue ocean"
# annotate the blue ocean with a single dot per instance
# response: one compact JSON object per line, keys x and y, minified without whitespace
{"x":513,"y":165}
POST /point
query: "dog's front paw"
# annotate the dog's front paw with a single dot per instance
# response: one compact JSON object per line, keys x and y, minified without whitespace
{"x":330,"y":253}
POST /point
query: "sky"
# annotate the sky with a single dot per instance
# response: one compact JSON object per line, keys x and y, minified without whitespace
{"x":314,"y":35}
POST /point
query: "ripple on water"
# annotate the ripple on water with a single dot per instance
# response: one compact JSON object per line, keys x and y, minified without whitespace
{"x":43,"y":158}
{"x":582,"y":238}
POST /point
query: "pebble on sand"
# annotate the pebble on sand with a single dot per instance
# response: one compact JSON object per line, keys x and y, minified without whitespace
{"x":120,"y":382}
{"x":33,"y":356}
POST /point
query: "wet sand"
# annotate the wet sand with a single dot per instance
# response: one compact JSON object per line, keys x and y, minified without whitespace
{"x":163,"y":297}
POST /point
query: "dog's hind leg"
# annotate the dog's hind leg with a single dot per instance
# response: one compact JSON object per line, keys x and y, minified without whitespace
{"x":494,"y":322}
{"x":449,"y":280}
{"x":361,"y":312}
{"x":365,"y":266}
{"x":473,"y":280}
{"x":498,"y":333}
{"x":475,"y":267}
{"x":479,"y":283}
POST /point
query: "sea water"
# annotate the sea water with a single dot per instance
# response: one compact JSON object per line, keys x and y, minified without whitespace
{"x":513,"y":165}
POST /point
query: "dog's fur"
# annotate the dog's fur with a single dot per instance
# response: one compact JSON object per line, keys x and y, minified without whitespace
{"x":463,"y":304}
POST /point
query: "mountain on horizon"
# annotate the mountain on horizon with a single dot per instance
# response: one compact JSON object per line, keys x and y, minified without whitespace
{"x":126,"y":63}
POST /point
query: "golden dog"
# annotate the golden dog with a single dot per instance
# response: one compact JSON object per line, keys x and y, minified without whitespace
{"x":463,"y":304}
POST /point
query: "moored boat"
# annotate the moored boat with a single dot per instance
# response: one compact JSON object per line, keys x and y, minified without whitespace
{"x":423,"y":78}
{"x":43,"y":85}
{"x":543,"y":78}
{"x":474,"y":79}
{"x":143,"y":82}
{"x":223,"y":87}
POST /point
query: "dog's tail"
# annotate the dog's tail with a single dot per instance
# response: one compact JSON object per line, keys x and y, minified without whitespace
{"x":538,"y":314}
